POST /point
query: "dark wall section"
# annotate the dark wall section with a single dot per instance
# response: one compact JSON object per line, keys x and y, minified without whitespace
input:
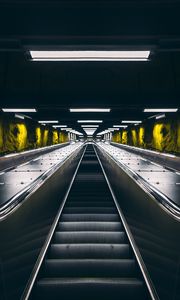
{"x":18,"y":135}
{"x":162,"y":135}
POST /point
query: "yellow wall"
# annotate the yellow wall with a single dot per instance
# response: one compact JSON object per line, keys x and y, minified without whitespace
{"x":161,"y":135}
{"x":18,"y":135}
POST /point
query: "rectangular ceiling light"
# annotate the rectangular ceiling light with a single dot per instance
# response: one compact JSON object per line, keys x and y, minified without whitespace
{"x":131,"y":122}
{"x":112,"y":129}
{"x":87,"y":126}
{"x":67,"y":129}
{"x":160,"y":116}
{"x":89,"y":121}
{"x":62,"y":126}
{"x":120,"y":126}
{"x":48,"y":122}
{"x":19,"y":116}
{"x":160,"y":109}
{"x":20,"y":110}
{"x":90,"y":109}
{"x":89,"y":55}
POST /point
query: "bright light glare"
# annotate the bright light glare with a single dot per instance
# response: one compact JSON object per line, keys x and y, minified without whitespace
{"x":19,"y":109}
{"x":160,"y":116}
{"x":90,"y":109}
{"x":19,"y":116}
{"x":87,"y":126}
{"x":160,"y":109}
{"x":48,"y":122}
{"x":95,"y":55}
{"x":89,"y":121}
{"x":131,"y":122}
{"x":120,"y":126}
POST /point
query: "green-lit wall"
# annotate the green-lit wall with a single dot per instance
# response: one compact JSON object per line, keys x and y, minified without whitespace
{"x":18,"y":135}
{"x":162,"y":135}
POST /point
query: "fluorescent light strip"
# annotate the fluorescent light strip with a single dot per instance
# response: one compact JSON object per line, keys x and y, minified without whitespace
{"x":120,"y":126}
{"x":131,"y":122}
{"x":87,"y":126}
{"x":160,"y":109}
{"x":19,"y":110}
{"x":67,"y":129}
{"x":59,"y":126}
{"x":160,"y":116}
{"x":111,"y":129}
{"x":89,"y":121}
{"x":83,"y":55}
{"x":90,"y":109}
{"x":48,"y":122}
{"x":19,"y":116}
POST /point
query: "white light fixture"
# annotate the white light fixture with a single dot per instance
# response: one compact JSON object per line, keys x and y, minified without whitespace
{"x":160,"y":109}
{"x":67,"y":129}
{"x":48,"y":122}
{"x":19,"y":110}
{"x":58,"y":126}
{"x":87,"y":126}
{"x":120,"y":126}
{"x":19,"y":116}
{"x":131,"y":122}
{"x":88,"y":55}
{"x":160,"y":116}
{"x":112,"y":129}
{"x":89,"y":121}
{"x":90,"y":109}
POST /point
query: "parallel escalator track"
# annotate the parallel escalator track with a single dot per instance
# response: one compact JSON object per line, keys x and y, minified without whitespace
{"x":90,"y":256}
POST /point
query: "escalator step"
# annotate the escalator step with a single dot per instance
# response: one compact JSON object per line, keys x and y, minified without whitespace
{"x":90,"y":268}
{"x":102,"y":237}
{"x":90,"y":288}
{"x":89,"y":204}
{"x":99,"y":210}
{"x":89,"y":217}
{"x":94,"y":226}
{"x":90,"y":251}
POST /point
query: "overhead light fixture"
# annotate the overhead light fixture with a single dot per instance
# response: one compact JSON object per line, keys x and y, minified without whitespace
{"x":48,"y":122}
{"x":87,"y":126}
{"x":90,"y":109}
{"x":89,"y":121}
{"x":88,"y":55}
{"x":160,"y":116}
{"x":120,"y":126}
{"x":67,"y":129}
{"x":19,"y":110}
{"x":112,"y":129}
{"x":59,"y":126}
{"x":160,"y":109}
{"x":131,"y":122}
{"x":19,"y":116}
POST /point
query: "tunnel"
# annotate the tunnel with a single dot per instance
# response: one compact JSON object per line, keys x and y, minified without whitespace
{"x":89,"y":150}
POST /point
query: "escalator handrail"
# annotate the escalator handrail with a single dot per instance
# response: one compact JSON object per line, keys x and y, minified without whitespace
{"x":147,"y":279}
{"x":164,"y":201}
{"x":15,"y":201}
{"x":40,"y":259}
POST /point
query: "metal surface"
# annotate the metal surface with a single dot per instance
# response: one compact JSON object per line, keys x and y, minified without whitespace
{"x":165,"y":181}
{"x":17,"y":183}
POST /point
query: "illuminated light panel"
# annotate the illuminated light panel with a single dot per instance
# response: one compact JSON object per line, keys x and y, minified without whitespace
{"x":160,"y":109}
{"x":58,"y":126}
{"x":120,"y":126}
{"x":19,"y":110}
{"x":89,"y":121}
{"x":67,"y":129}
{"x":19,"y":116}
{"x":131,"y":122}
{"x":111,"y":129}
{"x":160,"y":116}
{"x":48,"y":122}
{"x":89,"y":55}
{"x":90,"y":109}
{"x":90,"y":126}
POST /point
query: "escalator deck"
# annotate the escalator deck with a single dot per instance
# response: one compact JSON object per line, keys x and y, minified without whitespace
{"x":90,"y":256}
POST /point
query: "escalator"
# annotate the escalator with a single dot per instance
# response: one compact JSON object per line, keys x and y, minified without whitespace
{"x":89,"y":255}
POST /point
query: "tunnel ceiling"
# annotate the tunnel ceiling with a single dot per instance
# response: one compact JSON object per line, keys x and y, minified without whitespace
{"x":54,"y":87}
